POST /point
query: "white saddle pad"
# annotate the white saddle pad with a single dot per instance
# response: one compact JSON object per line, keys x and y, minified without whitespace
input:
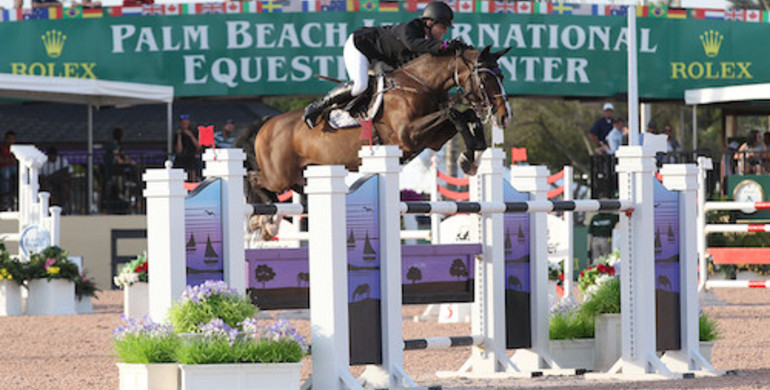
{"x":341,"y":119}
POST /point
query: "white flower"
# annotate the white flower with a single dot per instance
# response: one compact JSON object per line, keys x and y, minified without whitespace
{"x":613,"y":258}
{"x":126,"y":279}
{"x":603,"y":278}
{"x":590,"y":291}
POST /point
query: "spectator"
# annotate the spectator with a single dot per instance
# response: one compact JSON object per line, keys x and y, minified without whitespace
{"x":601,"y":128}
{"x":615,"y":137}
{"x":46,"y":3}
{"x":55,"y":177}
{"x":136,"y":3}
{"x":672,"y":145}
{"x":600,"y":235}
{"x":120,"y":174}
{"x":226,"y":137}
{"x":18,"y":4}
{"x":749,"y":155}
{"x":187,"y":149}
{"x":8,"y":170}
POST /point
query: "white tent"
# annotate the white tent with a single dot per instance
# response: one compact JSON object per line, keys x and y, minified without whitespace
{"x":94,"y":93}
{"x":733,"y":93}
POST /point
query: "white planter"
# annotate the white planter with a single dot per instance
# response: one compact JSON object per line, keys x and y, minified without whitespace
{"x":608,"y":342}
{"x":56,"y":296}
{"x":136,"y":300}
{"x":262,"y":376}
{"x":158,"y":376}
{"x":84,"y":305}
{"x":705,"y":348}
{"x":10,"y":298}
{"x":577,"y":353}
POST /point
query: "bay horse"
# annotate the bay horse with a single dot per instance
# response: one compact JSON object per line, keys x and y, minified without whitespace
{"x":416,"y":114}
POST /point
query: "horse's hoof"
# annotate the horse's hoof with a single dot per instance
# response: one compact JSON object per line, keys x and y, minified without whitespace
{"x":469,"y":167}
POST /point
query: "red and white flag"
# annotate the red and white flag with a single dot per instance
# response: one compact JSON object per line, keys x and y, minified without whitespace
{"x":173,"y":9}
{"x":524,"y":7}
{"x":154,"y":9}
{"x":233,"y":7}
{"x":753,"y":15}
{"x":735,"y":14}
{"x":465,"y":6}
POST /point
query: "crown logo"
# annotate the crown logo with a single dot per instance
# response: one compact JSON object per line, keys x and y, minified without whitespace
{"x":53,"y":40}
{"x":712,"y":41}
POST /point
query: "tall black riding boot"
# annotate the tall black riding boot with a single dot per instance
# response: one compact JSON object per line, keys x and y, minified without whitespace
{"x":337,"y":96}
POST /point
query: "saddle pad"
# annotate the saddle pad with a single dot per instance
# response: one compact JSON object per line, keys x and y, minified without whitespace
{"x":341,"y":119}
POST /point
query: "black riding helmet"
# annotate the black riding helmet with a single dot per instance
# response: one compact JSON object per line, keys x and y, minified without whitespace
{"x":438,"y":11}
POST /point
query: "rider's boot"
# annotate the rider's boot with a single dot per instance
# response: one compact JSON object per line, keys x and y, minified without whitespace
{"x":338,"y":95}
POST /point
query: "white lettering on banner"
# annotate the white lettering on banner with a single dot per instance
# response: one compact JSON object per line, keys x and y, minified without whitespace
{"x":232,"y":72}
{"x":551,"y":69}
{"x":148,"y":38}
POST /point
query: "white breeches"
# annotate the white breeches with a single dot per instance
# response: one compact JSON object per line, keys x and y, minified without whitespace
{"x":357,"y":66}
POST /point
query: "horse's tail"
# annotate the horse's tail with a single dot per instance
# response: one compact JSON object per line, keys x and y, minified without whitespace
{"x":254,"y":192}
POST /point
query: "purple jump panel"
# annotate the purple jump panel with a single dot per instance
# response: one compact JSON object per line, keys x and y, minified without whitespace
{"x":667,"y":290}
{"x":438,"y":273}
{"x":518,"y":320}
{"x":203,"y":232}
{"x":278,"y":278}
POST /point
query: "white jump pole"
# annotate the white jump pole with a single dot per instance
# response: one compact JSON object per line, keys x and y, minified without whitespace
{"x":569,"y":220}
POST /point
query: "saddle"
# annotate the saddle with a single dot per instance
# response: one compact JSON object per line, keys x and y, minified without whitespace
{"x":364,"y":106}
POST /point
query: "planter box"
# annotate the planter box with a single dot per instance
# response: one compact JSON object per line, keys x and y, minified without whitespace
{"x":46,"y":297}
{"x":705,"y":348}
{"x":159,"y":376}
{"x":10,"y":298}
{"x":608,"y":340}
{"x":84,"y":306}
{"x":136,"y":300}
{"x":576,"y":353}
{"x":262,"y":376}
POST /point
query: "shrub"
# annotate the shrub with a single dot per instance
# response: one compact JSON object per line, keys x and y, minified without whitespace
{"x":210,"y":300}
{"x":606,"y":299}
{"x":707,"y":328}
{"x":10,"y":268}
{"x":567,"y":322}
{"x":84,"y":286}
{"x":145,"y":342}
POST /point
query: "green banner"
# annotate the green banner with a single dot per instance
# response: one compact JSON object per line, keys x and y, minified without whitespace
{"x":279,"y":54}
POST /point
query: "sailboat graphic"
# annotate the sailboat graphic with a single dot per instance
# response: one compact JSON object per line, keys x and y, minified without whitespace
{"x":191,"y":243}
{"x":670,"y":234}
{"x":658,"y":244}
{"x":369,"y":252}
{"x":211,"y":257}
{"x":351,"y":240}
{"x":520,"y":235}
{"x":508,"y":246}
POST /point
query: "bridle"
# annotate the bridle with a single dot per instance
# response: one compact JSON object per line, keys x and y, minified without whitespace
{"x":477,"y":96}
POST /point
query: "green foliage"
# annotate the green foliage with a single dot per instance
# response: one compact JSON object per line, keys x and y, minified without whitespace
{"x":570,"y":325}
{"x":201,"y":304}
{"x":606,"y":300}
{"x":146,"y":349}
{"x":85,"y":287}
{"x":50,"y":264}
{"x":10,"y":268}
{"x":707,"y":328}
{"x":218,"y":350}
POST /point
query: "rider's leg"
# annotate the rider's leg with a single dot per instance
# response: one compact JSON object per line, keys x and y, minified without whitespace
{"x":357,"y":66}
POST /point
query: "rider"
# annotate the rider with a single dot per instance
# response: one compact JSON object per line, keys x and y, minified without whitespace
{"x":393,"y":45}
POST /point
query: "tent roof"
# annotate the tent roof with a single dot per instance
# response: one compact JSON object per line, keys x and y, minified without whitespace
{"x":733,"y":93}
{"x":79,"y":91}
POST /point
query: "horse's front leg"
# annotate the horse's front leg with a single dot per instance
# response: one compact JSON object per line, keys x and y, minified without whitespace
{"x":471,"y":130}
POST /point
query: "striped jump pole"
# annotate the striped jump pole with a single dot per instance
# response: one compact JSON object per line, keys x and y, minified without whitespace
{"x":442,"y":342}
{"x":543,"y":206}
{"x":737,"y":228}
{"x":738,"y":283}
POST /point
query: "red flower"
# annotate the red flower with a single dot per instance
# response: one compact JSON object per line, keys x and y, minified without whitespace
{"x":612,"y":271}
{"x":561,"y":277}
{"x":581,"y":273}
{"x":141,"y":268}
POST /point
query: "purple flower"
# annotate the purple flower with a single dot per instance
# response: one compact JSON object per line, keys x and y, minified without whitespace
{"x":144,"y":327}
{"x":202,"y":292}
{"x":280,"y":330}
{"x":217,"y":328}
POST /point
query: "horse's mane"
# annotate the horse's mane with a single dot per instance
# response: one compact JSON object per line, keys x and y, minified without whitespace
{"x":420,"y":59}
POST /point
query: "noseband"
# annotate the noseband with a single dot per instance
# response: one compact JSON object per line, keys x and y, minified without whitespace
{"x":477,"y":95}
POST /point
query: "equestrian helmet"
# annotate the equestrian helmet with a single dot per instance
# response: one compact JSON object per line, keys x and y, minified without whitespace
{"x":438,"y":11}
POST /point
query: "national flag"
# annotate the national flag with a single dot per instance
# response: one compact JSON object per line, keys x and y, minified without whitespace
{"x":337,"y":5}
{"x":370,"y":5}
{"x":463,"y":6}
{"x":191,"y":9}
{"x":485,"y":7}
{"x":272,"y":6}
{"x":233,"y":7}
{"x":753,"y":15}
{"x":152,"y":9}
{"x":131,"y":11}
{"x":617,"y":10}
{"x":677,"y":13}
{"x":582,"y":9}
{"x":354,"y":6}
{"x":73,"y":13}
{"x":35,"y":14}
{"x":252,"y":7}
{"x":388,"y":6}
{"x":562,"y":9}
{"x":174,"y":9}
{"x":415,"y":5}
{"x":602,"y":10}
{"x":92,"y":13}
{"x":505,"y":7}
{"x":113,"y":11}
{"x":704,"y":13}
{"x":524,"y":7}
{"x":735,"y":14}
{"x":543,"y":8}
{"x":13,"y":15}
{"x":658,"y":12}
{"x":288,"y":6}
{"x":311,"y":5}
{"x":210,"y":8}
{"x":56,"y":12}
{"x":642,"y":11}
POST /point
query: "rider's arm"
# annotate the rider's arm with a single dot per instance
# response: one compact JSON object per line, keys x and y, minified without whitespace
{"x":412,"y":35}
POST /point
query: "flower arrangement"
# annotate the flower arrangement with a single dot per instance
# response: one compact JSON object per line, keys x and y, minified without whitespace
{"x":134,"y":271}
{"x":218,"y":343}
{"x":567,"y":321}
{"x":202,"y":303}
{"x":592,"y":277}
{"x":10,"y":268}
{"x":50,"y":264}
{"x":145,"y":342}
{"x":85,"y":287}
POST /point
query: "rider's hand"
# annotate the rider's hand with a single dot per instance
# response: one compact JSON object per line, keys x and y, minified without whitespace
{"x":454,"y":44}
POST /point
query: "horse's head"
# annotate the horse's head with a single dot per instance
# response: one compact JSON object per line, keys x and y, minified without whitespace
{"x":483,"y":86}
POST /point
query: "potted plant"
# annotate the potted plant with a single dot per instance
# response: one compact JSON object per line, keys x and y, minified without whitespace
{"x":708,"y":332}
{"x":571,"y":333}
{"x":85,"y":291}
{"x":50,"y":279}
{"x":147,"y":353}
{"x":202,"y":303}
{"x":132,"y":278}
{"x":11,"y":279}
{"x":603,"y":307}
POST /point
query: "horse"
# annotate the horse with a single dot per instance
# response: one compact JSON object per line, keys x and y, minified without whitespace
{"x":416,"y":114}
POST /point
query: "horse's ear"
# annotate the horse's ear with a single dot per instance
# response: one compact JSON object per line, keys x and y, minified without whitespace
{"x":500,"y":53}
{"x":485,"y":52}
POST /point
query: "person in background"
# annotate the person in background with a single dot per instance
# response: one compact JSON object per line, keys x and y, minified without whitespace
{"x":615,"y":138}
{"x":187,"y":150}
{"x":225,"y":138}
{"x":601,"y":128}
{"x":8,"y":170}
{"x":46,"y":3}
{"x":55,"y":177}
{"x":600,"y":235}
{"x":749,"y":155}
{"x":672,"y":145}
